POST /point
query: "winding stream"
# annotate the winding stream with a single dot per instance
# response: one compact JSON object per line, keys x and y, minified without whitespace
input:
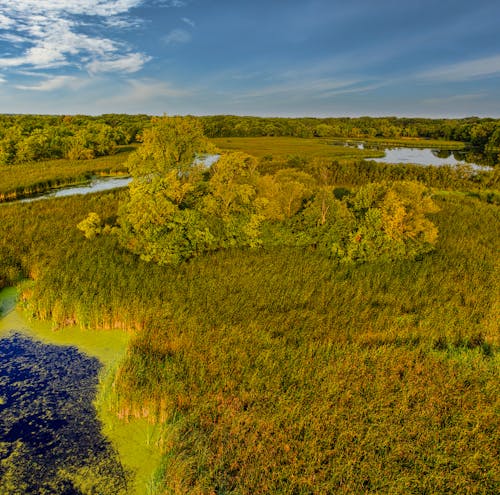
{"x":96,"y":185}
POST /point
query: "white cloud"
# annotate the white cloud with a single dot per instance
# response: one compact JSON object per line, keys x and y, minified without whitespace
{"x":13,"y":38}
{"x":53,"y":83}
{"x":463,"y":71}
{"x":73,"y":7}
{"x":124,"y":22}
{"x":131,"y":62}
{"x":6,"y":22}
{"x":2,"y":79}
{"x":188,"y":21}
{"x":51,"y":29}
{"x":177,"y":36}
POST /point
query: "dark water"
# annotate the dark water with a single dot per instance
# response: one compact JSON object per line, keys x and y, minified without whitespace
{"x":50,"y":436}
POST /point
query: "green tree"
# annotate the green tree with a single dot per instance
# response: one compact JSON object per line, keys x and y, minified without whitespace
{"x":232,"y":200}
{"x":392,"y":221}
{"x":157,"y":221}
{"x":285,"y":192}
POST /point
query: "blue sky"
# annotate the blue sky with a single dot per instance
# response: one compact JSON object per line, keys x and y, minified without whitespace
{"x":272,"y":58}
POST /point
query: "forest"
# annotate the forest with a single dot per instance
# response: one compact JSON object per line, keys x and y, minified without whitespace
{"x":304,"y":320}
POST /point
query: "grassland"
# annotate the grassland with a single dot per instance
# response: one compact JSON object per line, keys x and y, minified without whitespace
{"x":292,"y":146}
{"x":322,"y":147}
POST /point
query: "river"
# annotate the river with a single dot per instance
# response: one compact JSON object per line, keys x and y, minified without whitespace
{"x":99,"y":184}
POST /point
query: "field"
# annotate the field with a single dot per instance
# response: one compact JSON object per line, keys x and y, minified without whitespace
{"x":321,"y":147}
{"x":278,"y":370}
{"x":292,"y":146}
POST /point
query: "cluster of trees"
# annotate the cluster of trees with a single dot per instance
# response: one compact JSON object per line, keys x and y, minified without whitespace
{"x":32,"y":138}
{"x":179,"y":209}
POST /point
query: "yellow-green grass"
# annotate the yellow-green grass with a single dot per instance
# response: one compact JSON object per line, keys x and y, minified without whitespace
{"x":135,"y":440}
{"x":292,"y":146}
{"x":28,"y":179}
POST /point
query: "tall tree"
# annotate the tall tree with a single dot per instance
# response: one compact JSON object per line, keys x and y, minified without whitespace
{"x":156,"y":221}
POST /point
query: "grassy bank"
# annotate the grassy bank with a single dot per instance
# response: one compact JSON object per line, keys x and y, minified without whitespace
{"x":409,"y":142}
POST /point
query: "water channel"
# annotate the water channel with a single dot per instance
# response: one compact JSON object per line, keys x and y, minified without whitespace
{"x":96,"y":185}
{"x":99,"y":184}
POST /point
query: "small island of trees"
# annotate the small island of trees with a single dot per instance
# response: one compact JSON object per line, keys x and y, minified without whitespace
{"x":178,"y":208}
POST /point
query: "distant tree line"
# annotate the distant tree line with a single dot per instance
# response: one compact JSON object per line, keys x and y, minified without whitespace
{"x":30,"y":138}
{"x":26,"y":138}
{"x":480,"y":132}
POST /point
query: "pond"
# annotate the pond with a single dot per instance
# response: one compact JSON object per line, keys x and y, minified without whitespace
{"x":426,"y":156}
{"x":50,"y":436}
{"x":56,"y":433}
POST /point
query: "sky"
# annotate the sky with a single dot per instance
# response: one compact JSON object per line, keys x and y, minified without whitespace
{"x":287,"y":58}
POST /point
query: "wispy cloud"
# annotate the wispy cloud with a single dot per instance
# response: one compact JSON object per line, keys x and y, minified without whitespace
{"x":6,"y":22}
{"x":464,"y":71}
{"x":314,"y":87}
{"x":139,"y":93}
{"x":188,"y":21}
{"x":129,"y":63}
{"x":54,"y":83}
{"x":52,"y":31}
{"x":454,"y":98}
{"x":177,"y":37}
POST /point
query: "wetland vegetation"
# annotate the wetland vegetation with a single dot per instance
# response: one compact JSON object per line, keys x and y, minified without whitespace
{"x":284,"y":354}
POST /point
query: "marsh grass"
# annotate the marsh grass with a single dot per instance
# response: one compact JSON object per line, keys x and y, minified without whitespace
{"x":292,"y":147}
{"x":279,"y":371}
